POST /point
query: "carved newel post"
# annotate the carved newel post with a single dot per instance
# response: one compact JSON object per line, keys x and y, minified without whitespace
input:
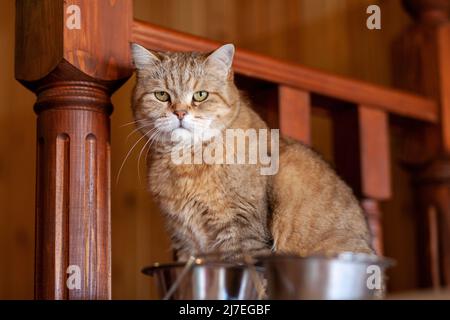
{"x":73,"y":54}
{"x":422,"y":64}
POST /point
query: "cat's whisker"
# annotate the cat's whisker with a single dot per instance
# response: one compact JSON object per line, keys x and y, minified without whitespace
{"x":150,"y":141}
{"x":128,"y":154}
{"x":151,"y":144}
{"x":139,"y":159}
{"x":156,"y":138}
{"x":132,"y":122}
{"x":146,"y":155}
{"x":137,"y":129}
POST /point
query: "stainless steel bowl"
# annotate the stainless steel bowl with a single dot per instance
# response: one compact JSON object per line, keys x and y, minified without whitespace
{"x":205,"y":281}
{"x":346,"y":276}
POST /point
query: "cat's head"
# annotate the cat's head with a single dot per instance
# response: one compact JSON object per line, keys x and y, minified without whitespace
{"x":179,"y":93}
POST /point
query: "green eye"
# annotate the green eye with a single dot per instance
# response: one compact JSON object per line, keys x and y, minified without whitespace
{"x":200,"y":96}
{"x":162,"y":96}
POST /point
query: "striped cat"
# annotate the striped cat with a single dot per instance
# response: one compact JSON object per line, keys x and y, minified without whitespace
{"x":304,"y":208}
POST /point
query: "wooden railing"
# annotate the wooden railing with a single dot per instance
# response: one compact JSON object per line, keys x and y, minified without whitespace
{"x":296,"y":76}
{"x":74,"y":71}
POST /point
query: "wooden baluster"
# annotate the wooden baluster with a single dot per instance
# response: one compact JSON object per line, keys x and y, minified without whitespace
{"x":282,"y":107}
{"x":73,"y":55}
{"x":362,"y":159}
{"x":295,"y":113}
{"x":422,"y":64}
{"x":375,"y":167}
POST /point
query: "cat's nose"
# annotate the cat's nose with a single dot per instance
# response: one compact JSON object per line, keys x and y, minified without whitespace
{"x":180,"y":114}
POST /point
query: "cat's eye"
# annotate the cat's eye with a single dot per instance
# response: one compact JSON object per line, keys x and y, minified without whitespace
{"x":162,"y":96}
{"x":200,"y":96}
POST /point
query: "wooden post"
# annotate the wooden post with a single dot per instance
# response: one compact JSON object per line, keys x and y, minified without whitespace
{"x":73,"y":54}
{"x":421,"y":63}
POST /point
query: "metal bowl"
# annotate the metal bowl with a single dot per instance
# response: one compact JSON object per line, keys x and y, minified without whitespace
{"x":346,"y":276}
{"x":205,"y":281}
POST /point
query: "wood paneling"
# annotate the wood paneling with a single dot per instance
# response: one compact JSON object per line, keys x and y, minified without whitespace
{"x":17,"y":171}
{"x":327,"y":34}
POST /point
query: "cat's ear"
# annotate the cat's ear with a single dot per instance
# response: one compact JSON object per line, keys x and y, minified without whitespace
{"x":222,"y":58}
{"x":142,"y":57}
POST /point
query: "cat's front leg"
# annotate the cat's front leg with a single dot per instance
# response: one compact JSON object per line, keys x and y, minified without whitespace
{"x":243,"y":244}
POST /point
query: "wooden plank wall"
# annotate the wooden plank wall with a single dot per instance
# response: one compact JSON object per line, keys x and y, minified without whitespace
{"x":326,"y":34}
{"x":17,"y":172}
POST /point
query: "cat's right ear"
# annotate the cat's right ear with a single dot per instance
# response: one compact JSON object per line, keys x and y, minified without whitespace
{"x":142,"y":57}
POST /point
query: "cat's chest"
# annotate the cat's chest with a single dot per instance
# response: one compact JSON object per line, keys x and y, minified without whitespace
{"x":193,"y":202}
{"x":203,"y":207}
{"x":215,"y":184}
{"x":191,"y":189}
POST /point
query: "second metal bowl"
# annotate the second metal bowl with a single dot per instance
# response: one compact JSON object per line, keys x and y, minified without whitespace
{"x":345,"y":276}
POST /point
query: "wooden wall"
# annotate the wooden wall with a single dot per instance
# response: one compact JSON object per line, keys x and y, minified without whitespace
{"x":17,"y":178}
{"x":326,"y":34}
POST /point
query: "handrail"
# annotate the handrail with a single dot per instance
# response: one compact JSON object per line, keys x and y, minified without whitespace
{"x":270,"y":69}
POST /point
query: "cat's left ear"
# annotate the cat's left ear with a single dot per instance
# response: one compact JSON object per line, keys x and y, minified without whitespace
{"x":222,"y":58}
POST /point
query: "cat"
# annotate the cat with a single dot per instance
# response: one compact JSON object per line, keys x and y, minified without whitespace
{"x":304,"y":209}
